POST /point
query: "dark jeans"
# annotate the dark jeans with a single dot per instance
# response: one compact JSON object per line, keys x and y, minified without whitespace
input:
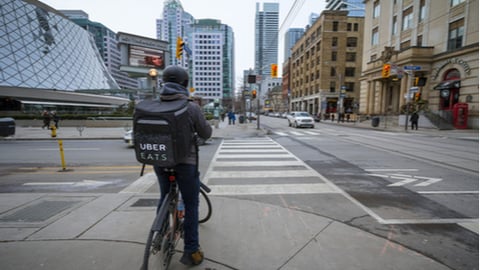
{"x":188,"y":180}
{"x":414,"y":125}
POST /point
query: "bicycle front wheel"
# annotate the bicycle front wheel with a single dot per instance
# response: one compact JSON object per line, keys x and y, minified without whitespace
{"x":204,"y":208}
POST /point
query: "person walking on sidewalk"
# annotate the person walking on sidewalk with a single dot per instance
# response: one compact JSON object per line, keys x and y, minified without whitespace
{"x":414,"y":120}
{"x":175,"y":81}
{"x":46,"y":119}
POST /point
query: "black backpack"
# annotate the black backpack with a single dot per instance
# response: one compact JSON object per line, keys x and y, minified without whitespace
{"x":162,"y":132}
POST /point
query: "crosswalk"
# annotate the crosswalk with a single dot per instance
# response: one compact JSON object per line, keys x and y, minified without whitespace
{"x":259,"y":166}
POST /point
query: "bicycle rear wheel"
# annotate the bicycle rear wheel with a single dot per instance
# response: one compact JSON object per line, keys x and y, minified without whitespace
{"x":204,"y":208}
{"x":160,"y":244}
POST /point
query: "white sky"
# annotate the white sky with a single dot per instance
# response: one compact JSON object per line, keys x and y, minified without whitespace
{"x":138,"y":17}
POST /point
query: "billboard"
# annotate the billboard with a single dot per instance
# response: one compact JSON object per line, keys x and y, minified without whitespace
{"x":146,"y":57}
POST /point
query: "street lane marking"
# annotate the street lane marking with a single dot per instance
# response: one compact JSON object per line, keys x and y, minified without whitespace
{"x":67,"y":149}
{"x":279,"y":163}
{"x":262,"y":174}
{"x":407,"y":179}
{"x":449,"y":192}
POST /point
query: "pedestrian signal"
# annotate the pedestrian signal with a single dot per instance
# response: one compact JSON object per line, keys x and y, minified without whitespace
{"x":386,"y":70}
{"x":254,"y":94}
{"x":180,"y":45}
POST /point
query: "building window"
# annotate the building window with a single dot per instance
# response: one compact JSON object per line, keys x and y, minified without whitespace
{"x":332,"y":86}
{"x":349,"y":27}
{"x":334,"y":42}
{"x":355,"y":27}
{"x":375,"y":38}
{"x":334,"y":56}
{"x":351,"y":42}
{"x":419,"y":40}
{"x":350,"y":72}
{"x":351,"y":57}
{"x":335,"y":26}
{"x":350,"y":86}
{"x":407,"y":19}
{"x":456,"y":2}
{"x":422,"y":11}
{"x":376,"y":9}
{"x":333,"y":72}
{"x":455,"y":34}
{"x":394,"y":25}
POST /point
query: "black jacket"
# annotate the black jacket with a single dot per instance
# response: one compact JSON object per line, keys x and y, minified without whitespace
{"x":174,"y":91}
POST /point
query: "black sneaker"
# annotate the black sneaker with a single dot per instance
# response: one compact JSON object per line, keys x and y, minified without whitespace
{"x":192,"y":258}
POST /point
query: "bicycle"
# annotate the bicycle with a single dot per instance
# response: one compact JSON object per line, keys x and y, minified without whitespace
{"x":167,"y":227}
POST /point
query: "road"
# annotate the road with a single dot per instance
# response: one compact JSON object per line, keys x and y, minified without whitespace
{"x":414,"y":190}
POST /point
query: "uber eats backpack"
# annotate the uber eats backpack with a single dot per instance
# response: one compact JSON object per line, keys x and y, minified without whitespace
{"x":162,"y":132}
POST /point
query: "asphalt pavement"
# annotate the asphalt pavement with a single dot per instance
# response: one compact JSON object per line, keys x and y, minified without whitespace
{"x":108,"y":231}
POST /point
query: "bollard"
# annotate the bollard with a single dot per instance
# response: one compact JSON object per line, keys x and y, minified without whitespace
{"x":62,"y":156}
{"x":54,"y":131}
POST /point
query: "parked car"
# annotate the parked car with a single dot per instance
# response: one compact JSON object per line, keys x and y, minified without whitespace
{"x":300,"y":119}
{"x":128,"y":138}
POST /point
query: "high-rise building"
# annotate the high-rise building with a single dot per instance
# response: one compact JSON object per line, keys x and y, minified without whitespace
{"x":355,"y":8}
{"x":174,"y":23}
{"x":212,"y":65}
{"x":291,"y":37}
{"x":106,"y":42}
{"x":266,"y":37}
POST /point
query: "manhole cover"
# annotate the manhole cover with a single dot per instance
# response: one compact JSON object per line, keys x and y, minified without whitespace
{"x":38,"y":212}
{"x":145,"y":203}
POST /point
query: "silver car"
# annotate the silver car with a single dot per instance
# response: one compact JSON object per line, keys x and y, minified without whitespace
{"x":300,"y":119}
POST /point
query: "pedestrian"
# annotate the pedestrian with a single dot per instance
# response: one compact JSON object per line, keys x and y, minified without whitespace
{"x":46,"y":119}
{"x":187,"y":175}
{"x":231,"y":118}
{"x":414,"y":120}
{"x":56,"y":119}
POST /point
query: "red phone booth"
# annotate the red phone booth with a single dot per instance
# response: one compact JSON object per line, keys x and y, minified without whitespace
{"x":460,"y":115}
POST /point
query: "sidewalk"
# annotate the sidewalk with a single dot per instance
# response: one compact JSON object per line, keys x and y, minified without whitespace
{"x":108,"y":231}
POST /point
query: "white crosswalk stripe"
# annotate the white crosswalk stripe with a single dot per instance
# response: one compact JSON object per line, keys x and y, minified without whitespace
{"x":261,"y":161}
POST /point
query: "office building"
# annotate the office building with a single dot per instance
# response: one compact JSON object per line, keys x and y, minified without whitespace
{"x":325,"y":65}
{"x":212,"y":65}
{"x":175,"y":23}
{"x":266,"y":37}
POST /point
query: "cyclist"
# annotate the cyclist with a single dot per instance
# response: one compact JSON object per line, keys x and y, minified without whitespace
{"x":175,"y":81}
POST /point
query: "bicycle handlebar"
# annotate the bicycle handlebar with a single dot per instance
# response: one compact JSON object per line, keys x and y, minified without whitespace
{"x":204,"y":187}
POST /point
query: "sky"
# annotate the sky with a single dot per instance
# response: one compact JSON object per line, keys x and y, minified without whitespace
{"x":139,"y":16}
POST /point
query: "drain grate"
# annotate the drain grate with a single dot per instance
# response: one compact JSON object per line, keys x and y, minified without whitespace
{"x":145,"y":203}
{"x":38,"y":212}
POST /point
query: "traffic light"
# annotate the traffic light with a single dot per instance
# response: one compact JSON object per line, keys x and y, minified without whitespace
{"x":274,"y":70}
{"x":180,"y":44}
{"x":420,"y":81}
{"x":386,"y":71}
{"x":254,"y":94}
{"x":418,"y":95}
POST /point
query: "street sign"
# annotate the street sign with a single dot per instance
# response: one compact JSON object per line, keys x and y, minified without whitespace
{"x":412,"y":67}
{"x":414,"y":89}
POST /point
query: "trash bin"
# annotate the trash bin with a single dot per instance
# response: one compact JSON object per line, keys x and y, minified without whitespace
{"x":7,"y":126}
{"x":241,"y":119}
{"x":375,"y":121}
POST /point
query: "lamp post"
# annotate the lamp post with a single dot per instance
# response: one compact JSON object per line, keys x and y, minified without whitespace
{"x":153,"y":73}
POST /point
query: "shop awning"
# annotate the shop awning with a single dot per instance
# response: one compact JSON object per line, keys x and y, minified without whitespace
{"x":448,"y":85}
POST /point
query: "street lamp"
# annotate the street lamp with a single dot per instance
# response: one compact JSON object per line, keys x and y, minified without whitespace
{"x":153,"y":73}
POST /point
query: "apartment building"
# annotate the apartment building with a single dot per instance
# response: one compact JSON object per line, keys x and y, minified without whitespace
{"x":325,"y":65}
{"x":430,"y":52}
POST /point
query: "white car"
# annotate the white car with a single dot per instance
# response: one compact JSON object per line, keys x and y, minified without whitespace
{"x":128,"y":138}
{"x":300,"y":119}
